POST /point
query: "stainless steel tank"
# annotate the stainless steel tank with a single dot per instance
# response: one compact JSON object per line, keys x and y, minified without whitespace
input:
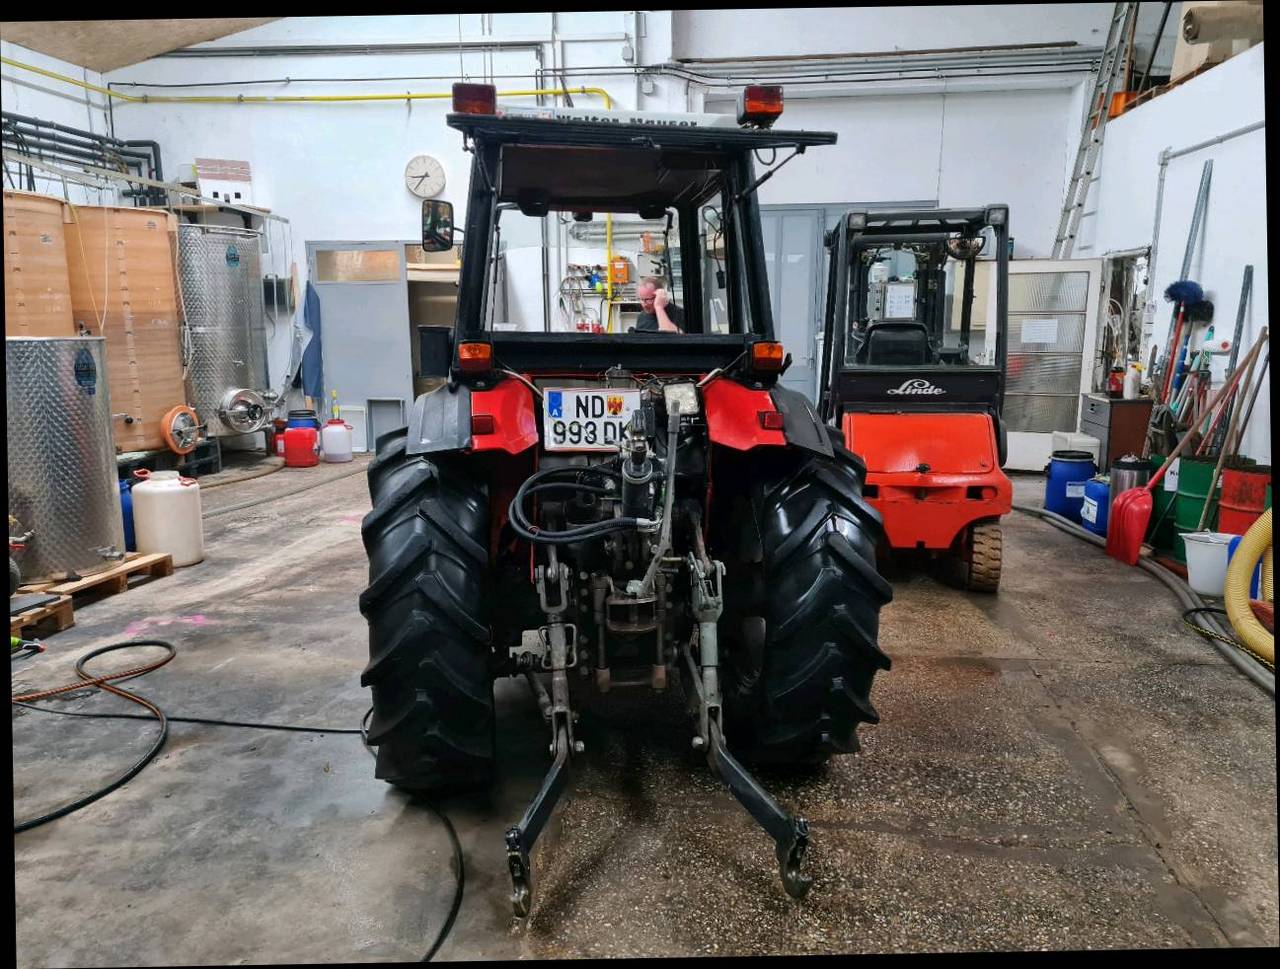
{"x":220,"y":273}
{"x":63,"y":494}
{"x":1128,"y":472}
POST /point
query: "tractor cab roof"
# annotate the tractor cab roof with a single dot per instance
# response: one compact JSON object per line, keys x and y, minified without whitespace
{"x":618,"y":163}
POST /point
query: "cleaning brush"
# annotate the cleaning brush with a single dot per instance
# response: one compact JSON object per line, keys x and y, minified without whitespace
{"x":1184,"y":291}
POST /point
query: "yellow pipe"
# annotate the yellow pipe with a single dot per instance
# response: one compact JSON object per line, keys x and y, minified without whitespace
{"x":295,"y":98}
{"x":608,"y":269}
{"x":1256,"y":542}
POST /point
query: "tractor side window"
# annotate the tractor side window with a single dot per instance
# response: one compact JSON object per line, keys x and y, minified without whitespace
{"x":715,"y":265}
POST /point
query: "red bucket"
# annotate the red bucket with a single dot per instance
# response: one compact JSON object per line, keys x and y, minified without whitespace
{"x":1244,"y":497}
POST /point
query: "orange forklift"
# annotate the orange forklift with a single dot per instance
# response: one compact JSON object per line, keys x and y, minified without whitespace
{"x":913,"y":368}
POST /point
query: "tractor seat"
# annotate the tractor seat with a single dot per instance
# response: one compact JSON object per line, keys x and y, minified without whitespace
{"x":896,"y":343}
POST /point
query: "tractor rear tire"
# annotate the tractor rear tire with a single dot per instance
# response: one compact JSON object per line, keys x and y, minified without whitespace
{"x":427,"y":539}
{"x":977,"y":562}
{"x":818,"y":595}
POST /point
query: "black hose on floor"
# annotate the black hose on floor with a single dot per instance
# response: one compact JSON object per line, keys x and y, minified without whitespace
{"x":459,"y":869}
{"x":1195,"y":606}
{"x":155,"y":713}
{"x":360,"y":467}
{"x":104,"y":683}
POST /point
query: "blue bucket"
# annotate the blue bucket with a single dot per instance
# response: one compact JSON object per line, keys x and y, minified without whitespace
{"x":1096,"y":505}
{"x":1068,"y":472}
{"x":1255,"y":584}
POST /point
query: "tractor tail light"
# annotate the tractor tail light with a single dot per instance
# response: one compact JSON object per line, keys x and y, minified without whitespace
{"x":760,"y":105}
{"x":766,"y":356}
{"x":475,"y":357}
{"x":482,"y":424}
{"x":770,"y":420}
{"x":475,"y":99}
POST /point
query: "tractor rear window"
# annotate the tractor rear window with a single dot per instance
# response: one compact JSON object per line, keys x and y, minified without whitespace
{"x":588,"y":271}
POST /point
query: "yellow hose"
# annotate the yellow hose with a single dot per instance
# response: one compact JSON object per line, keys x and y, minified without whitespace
{"x":1255,"y":545}
{"x":293,"y":98}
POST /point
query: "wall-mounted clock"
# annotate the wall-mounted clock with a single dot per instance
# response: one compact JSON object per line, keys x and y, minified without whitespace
{"x":424,"y":176}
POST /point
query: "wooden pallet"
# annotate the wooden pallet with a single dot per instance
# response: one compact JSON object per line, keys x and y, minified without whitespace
{"x":112,"y":580}
{"x":54,"y":617}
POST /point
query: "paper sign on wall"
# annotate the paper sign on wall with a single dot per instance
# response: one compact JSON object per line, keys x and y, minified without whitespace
{"x":1039,"y":331}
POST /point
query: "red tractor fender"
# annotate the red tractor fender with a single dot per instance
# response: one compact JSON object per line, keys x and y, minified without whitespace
{"x":734,"y":416}
{"x":513,"y":424}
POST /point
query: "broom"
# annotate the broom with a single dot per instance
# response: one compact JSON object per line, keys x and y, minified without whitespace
{"x":1131,"y":510}
{"x":1183,"y":292}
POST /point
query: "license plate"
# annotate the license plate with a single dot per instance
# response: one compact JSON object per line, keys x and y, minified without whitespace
{"x":586,"y":419}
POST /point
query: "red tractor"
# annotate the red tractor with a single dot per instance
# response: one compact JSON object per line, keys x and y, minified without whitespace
{"x":915,"y":385}
{"x":609,"y":511}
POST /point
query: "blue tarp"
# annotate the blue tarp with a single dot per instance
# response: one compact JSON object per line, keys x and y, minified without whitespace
{"x":312,"y":368}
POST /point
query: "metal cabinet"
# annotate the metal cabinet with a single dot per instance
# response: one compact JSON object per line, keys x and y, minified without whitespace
{"x":1120,"y":425}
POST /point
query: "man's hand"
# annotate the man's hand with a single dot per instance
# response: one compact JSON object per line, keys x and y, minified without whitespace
{"x":661,"y":298}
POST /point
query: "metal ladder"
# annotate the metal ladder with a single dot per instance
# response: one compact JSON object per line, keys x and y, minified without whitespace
{"x":1104,"y":86}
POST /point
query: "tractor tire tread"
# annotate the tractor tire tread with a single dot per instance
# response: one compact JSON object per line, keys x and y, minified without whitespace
{"x":428,"y":668}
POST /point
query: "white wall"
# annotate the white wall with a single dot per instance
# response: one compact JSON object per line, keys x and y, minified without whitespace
{"x":830,"y":30}
{"x":26,"y":93}
{"x":1226,"y":97}
{"x":967,"y":148}
{"x":335,"y":170}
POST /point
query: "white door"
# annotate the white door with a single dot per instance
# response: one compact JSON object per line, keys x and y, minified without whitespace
{"x":1052,"y":306}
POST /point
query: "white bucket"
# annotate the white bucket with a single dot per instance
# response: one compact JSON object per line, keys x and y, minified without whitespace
{"x":1207,"y":554}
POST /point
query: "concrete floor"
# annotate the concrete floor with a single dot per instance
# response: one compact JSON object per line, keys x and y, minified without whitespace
{"x":1063,"y":766}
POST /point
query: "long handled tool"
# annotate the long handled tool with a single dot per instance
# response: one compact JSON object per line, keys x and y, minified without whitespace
{"x":1131,"y":510}
{"x":1246,"y":290}
{"x":1230,"y":439}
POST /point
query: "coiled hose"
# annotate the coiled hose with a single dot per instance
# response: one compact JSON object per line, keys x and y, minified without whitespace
{"x":1255,"y":545}
{"x":1196,"y":613}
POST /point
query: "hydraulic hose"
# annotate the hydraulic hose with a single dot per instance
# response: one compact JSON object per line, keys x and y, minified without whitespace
{"x":1202,"y":621}
{"x":1254,"y":546}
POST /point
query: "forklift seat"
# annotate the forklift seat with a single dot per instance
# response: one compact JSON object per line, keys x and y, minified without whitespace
{"x":896,"y":343}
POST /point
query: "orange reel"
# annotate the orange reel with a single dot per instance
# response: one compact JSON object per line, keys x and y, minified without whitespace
{"x":181,"y":429}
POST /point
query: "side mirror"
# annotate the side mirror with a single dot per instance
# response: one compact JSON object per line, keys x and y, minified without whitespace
{"x":435,"y":350}
{"x":437,"y":225}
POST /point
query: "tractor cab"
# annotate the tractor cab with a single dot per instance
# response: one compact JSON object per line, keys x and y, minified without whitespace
{"x":913,"y":368}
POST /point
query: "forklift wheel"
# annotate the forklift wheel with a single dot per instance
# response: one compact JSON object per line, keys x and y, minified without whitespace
{"x":983,"y":555}
{"x":974,"y":560}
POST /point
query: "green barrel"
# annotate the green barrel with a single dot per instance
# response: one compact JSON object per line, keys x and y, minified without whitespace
{"x":1161,"y":534}
{"x":1194,"y":475}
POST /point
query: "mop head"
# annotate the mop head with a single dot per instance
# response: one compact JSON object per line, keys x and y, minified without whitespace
{"x":1200,"y":312}
{"x":1184,"y":291}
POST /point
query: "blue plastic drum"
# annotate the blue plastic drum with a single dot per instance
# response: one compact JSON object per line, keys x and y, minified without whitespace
{"x":1068,"y":473}
{"x":126,"y":511}
{"x":1096,"y":504}
{"x":304,"y":418}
